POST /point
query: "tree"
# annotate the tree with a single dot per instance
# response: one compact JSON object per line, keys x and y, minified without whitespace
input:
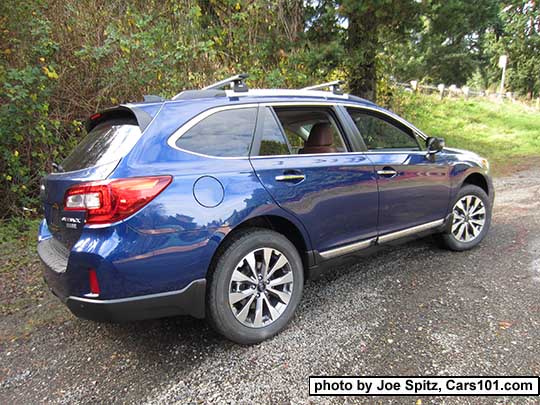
{"x":370,"y":24}
{"x":521,"y":41}
{"x":450,"y":44}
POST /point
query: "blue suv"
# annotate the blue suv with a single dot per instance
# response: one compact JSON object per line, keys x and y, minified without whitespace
{"x":221,"y":202}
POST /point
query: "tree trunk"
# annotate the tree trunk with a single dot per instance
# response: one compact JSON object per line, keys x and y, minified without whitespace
{"x":362,"y":45}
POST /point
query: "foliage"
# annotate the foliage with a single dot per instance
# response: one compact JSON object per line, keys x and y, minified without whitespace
{"x":449,"y":46}
{"x":521,"y":41}
{"x":62,"y":61}
{"x":28,"y":134}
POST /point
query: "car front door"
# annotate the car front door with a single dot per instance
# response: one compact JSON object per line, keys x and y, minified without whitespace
{"x":414,"y":188}
{"x":302,"y":157}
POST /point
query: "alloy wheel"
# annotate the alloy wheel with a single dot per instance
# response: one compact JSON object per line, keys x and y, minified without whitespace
{"x":261,"y":287}
{"x":469,"y":218}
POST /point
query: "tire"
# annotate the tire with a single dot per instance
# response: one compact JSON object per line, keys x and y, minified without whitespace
{"x":465,"y":232}
{"x":267,"y":307}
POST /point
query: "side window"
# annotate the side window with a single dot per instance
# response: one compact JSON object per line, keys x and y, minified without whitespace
{"x":226,"y":133}
{"x":310,"y":130}
{"x":272,"y":140}
{"x":380,"y":134}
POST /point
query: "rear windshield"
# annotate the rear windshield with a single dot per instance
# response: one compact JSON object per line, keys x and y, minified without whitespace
{"x":107,"y":142}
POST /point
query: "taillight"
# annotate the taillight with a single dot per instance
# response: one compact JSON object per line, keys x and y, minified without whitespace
{"x":110,"y":201}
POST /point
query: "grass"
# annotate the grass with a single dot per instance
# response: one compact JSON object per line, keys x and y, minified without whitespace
{"x":19,"y":266}
{"x":504,"y":133}
{"x":25,"y":302}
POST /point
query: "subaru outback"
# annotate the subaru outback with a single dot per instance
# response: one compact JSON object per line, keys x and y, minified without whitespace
{"x":221,"y":202}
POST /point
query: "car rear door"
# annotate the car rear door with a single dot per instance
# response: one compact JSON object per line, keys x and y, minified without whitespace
{"x":334,"y":193}
{"x":414,"y":188}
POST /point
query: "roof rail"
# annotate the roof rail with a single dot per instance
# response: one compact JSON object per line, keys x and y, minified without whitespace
{"x":237,"y":81}
{"x":335,"y":86}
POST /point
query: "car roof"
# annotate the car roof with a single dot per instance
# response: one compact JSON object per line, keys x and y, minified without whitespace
{"x":223,"y":97}
{"x":294,"y":93}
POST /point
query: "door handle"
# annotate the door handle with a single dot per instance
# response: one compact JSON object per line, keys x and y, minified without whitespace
{"x":291,"y":177}
{"x":387,"y":172}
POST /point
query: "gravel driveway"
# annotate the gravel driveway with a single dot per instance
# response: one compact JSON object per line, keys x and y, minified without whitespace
{"x":409,"y":310}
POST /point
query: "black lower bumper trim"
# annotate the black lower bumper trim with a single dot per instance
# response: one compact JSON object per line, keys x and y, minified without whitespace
{"x":189,"y":301}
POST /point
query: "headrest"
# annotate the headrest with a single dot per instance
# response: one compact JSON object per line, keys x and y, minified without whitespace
{"x":320,"y":135}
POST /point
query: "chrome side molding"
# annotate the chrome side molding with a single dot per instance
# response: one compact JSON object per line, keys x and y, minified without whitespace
{"x":353,"y":247}
{"x":410,"y":231}
{"x":329,"y":254}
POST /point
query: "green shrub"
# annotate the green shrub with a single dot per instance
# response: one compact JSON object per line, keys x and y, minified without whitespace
{"x":27,"y":132}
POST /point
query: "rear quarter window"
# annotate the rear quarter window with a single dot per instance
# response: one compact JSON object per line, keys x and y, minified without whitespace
{"x":227,"y":133}
{"x":107,"y":142}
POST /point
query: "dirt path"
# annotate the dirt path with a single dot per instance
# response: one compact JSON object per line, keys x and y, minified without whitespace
{"x":411,"y":310}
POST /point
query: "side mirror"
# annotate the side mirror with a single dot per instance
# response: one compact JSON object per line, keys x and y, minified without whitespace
{"x":434,"y":145}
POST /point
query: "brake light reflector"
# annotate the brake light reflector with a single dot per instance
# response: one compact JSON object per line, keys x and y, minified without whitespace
{"x":92,"y":278}
{"x":110,"y":201}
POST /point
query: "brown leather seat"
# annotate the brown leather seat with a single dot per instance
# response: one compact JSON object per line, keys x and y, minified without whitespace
{"x":320,"y":140}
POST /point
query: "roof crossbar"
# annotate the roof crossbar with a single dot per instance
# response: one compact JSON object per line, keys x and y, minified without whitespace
{"x":335,"y":86}
{"x":237,"y":83}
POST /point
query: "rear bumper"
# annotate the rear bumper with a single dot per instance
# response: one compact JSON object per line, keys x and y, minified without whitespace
{"x":189,"y":301}
{"x":69,"y":287}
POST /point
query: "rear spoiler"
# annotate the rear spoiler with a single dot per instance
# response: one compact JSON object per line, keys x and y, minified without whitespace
{"x":143,"y":115}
